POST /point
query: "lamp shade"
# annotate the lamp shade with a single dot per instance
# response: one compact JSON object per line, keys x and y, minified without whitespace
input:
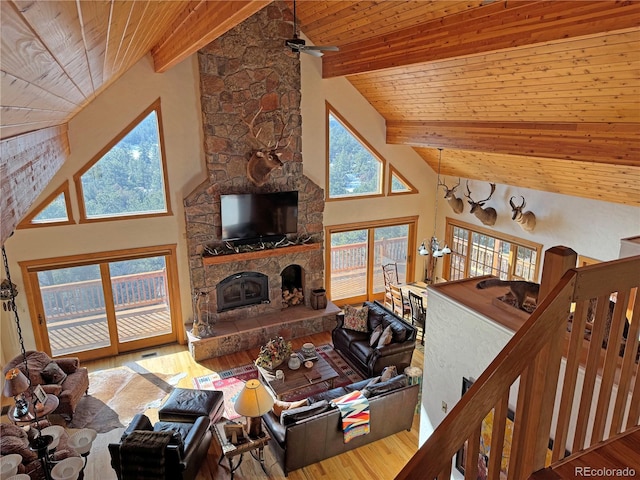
{"x":254,"y":400}
{"x":15,"y":383}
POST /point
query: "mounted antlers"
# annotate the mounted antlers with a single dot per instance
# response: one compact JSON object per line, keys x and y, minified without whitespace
{"x":488,"y":215}
{"x":527,"y":220}
{"x":265,"y":157}
{"x":449,"y":194}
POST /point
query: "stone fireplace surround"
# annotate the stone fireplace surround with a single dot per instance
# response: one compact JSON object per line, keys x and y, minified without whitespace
{"x":243,"y":71}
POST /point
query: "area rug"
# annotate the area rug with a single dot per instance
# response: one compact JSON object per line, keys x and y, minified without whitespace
{"x":117,"y":394}
{"x":231,"y":381}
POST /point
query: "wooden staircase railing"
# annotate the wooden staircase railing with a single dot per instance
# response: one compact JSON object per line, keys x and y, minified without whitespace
{"x":605,"y":384}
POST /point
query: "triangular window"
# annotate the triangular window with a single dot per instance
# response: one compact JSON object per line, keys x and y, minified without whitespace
{"x":128,"y":177}
{"x":52,"y":211}
{"x":398,"y":184}
{"x":355,"y":168}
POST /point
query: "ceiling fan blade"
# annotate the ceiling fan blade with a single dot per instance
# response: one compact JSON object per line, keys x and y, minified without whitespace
{"x":325,"y":48}
{"x":314,"y":53}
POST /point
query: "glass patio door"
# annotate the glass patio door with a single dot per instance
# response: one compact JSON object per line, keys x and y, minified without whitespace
{"x":356,"y":256}
{"x":104,"y":307}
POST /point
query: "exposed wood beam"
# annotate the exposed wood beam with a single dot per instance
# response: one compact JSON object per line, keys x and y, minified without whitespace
{"x":27,"y":164}
{"x":615,"y":143}
{"x":496,"y":26}
{"x":200,"y":23}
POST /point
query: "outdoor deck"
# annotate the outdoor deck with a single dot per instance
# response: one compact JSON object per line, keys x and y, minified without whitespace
{"x":92,"y":332}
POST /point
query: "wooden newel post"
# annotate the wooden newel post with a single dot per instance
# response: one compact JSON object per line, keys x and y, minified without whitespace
{"x":557,"y":260}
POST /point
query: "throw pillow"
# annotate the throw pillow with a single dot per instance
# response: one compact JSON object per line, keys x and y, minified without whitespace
{"x":52,"y":373}
{"x":388,"y":373}
{"x":279,"y":406}
{"x":294,"y":415}
{"x":394,"y":383}
{"x":385,"y":338}
{"x":356,"y":318}
{"x":375,"y":335}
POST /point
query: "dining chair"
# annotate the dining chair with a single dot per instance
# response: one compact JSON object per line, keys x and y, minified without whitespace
{"x":388,"y":298}
{"x":400,"y":306}
{"x":418,"y":312}
{"x":390,"y":273}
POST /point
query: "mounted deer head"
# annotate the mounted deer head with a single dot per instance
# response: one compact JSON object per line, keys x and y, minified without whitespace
{"x":486,"y":215}
{"x":527,"y":220}
{"x":265,"y":157}
{"x":449,"y":194}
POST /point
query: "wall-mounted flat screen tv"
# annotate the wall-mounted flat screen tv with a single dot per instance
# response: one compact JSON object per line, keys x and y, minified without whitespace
{"x":253,"y":217}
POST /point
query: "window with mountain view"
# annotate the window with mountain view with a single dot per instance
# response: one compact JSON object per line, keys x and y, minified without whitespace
{"x":128,"y":177}
{"x":55,"y":210}
{"x":355,"y":168}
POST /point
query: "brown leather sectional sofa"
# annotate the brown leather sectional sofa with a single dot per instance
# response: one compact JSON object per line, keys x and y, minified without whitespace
{"x":370,"y":360}
{"x":304,"y":440}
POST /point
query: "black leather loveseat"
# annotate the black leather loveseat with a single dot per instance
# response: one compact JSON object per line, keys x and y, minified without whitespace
{"x":371,"y":360}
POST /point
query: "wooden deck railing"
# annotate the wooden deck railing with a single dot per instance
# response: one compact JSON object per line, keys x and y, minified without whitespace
{"x":354,"y":255}
{"x":533,"y":357}
{"x":77,"y":299}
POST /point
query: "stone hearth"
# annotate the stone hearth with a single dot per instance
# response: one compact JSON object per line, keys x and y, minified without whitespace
{"x":252,"y":332}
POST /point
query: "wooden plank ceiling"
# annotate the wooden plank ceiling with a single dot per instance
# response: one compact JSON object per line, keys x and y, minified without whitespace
{"x":542,"y":95}
{"x":548,"y":87}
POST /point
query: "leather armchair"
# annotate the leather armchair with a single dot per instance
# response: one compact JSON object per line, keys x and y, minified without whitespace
{"x":62,"y":377}
{"x":182,"y":456}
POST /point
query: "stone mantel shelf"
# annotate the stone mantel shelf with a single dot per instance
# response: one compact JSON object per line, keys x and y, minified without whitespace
{"x":272,"y":252}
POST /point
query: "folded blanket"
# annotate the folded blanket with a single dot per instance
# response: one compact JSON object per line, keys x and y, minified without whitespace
{"x":354,"y":409}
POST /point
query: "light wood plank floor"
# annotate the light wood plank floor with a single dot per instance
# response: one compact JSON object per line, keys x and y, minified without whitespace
{"x":381,"y":460}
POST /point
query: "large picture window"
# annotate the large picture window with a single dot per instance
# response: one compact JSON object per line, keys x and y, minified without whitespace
{"x":128,"y":177}
{"x":477,"y":251}
{"x":355,"y":168}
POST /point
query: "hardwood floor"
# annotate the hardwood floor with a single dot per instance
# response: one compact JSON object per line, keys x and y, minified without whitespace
{"x":380,"y":460}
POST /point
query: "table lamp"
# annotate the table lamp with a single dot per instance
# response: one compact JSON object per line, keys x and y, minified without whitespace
{"x":16,"y":383}
{"x":254,"y":401}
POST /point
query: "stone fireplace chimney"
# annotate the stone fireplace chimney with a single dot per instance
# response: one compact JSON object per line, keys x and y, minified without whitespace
{"x":245,"y":71}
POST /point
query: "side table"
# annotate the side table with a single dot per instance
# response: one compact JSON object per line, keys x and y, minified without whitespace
{"x":50,"y":405}
{"x":414,"y":374}
{"x":255,"y":446}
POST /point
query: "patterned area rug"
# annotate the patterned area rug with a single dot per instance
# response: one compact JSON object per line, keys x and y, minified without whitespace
{"x":230,"y":382}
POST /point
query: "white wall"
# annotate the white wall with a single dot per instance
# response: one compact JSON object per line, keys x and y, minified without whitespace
{"x":89,"y":131}
{"x":590,"y":227}
{"x":460,"y":343}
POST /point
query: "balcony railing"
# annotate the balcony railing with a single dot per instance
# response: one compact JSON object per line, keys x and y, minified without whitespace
{"x":67,"y":301}
{"x":534,"y":357}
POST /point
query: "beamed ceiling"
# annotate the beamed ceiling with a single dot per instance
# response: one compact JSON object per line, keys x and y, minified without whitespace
{"x":537,"y":94}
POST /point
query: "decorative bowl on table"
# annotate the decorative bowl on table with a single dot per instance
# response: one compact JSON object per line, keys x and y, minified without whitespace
{"x":308,"y":364}
{"x":308,"y":350}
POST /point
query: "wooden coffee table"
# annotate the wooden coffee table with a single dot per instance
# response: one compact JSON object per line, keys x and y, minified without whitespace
{"x":294,"y":380}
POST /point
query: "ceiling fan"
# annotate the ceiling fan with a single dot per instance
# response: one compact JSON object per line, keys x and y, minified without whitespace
{"x":297,"y":44}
